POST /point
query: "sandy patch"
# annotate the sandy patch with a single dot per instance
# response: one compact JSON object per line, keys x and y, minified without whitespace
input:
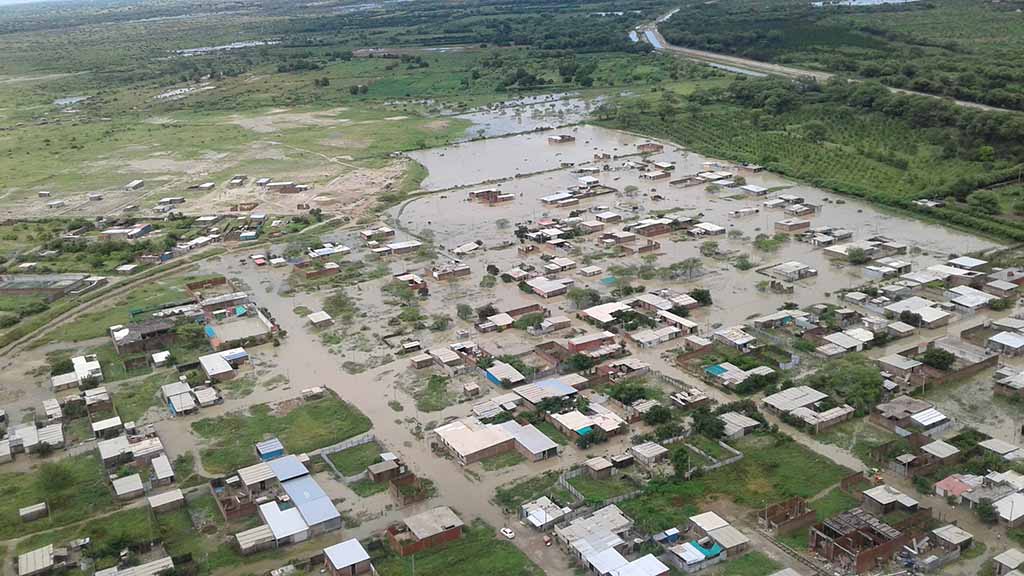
{"x":281,"y":119}
{"x":160,"y":120}
{"x":346,"y":142}
{"x":437,"y":125}
{"x":394,"y":118}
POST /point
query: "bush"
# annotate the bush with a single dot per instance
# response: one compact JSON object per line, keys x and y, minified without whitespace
{"x":658,"y":415}
{"x":938,"y":358}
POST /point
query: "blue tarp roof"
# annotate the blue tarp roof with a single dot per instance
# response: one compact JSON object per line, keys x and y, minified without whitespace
{"x":240,"y":310}
{"x":209,"y":331}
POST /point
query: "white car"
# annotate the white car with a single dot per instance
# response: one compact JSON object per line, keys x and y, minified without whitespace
{"x":508,"y":533}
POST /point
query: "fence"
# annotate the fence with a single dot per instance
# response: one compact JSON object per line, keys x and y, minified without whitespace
{"x":345,"y":445}
{"x":563,"y":482}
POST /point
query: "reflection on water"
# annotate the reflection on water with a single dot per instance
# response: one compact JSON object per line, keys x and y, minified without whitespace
{"x":529,"y":113}
{"x":457,"y":221}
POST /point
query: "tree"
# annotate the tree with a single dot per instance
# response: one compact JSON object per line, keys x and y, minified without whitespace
{"x":987,"y":512}
{"x":530,"y":320}
{"x":440,"y":322}
{"x":658,"y":415}
{"x":493,"y":270}
{"x":595,"y":436}
{"x":583,"y":297}
{"x":985,"y":200}
{"x":578,"y":363}
{"x":701,"y":295}
{"x":464,"y":311}
{"x":909,"y":317}
{"x":486,"y":311}
{"x":857,"y":255}
{"x":707,"y":424}
{"x":709,"y":248}
{"x":54,"y":477}
{"x":815,"y":131}
{"x":938,"y":358}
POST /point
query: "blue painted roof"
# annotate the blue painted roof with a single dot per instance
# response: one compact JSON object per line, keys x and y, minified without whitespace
{"x":313,"y":503}
{"x":209,"y":331}
{"x":269,"y":446}
{"x":288,"y":467}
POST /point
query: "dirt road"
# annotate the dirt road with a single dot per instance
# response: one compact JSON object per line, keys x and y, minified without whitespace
{"x":755,"y":67}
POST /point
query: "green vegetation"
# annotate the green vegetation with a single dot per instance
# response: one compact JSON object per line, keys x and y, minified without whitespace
{"x":854,"y":379}
{"x":366,"y":487}
{"x":95,"y":323}
{"x":229,"y":439}
{"x":831,"y":503}
{"x":505,"y":460}
{"x":74,"y":489}
{"x":858,"y":436}
{"x":433,"y":396}
{"x":751,"y":564}
{"x":135,"y":399}
{"x":887,"y":148}
{"x":599,"y":490}
{"x":512,"y":495}
{"x":958,"y":49}
{"x":352,"y":461}
{"x":549,"y":430}
{"x":773,"y":468}
{"x":479,"y":551}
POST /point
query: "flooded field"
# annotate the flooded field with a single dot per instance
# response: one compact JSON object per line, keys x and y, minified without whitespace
{"x":529,"y":113}
{"x":452,"y":217}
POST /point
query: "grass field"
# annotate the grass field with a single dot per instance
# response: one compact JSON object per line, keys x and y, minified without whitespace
{"x":549,"y":430}
{"x":512,"y":495}
{"x":595,"y":490}
{"x":135,"y":399}
{"x":773,"y":468}
{"x":433,"y":395}
{"x":94,"y":324}
{"x":75,"y":488}
{"x":751,"y":564}
{"x":506,"y":460}
{"x":229,"y":439}
{"x":352,"y":461}
{"x":479,"y":551}
{"x":858,"y":436}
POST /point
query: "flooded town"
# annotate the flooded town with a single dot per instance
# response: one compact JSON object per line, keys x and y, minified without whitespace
{"x":490,"y":333}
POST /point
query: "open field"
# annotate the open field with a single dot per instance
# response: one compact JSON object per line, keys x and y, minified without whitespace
{"x":478,"y":551}
{"x":75,"y":489}
{"x":772,"y":469}
{"x":304,"y":428}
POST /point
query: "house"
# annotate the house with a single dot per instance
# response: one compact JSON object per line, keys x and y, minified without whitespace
{"x":166,"y":501}
{"x":221,"y":366}
{"x":713,"y":526}
{"x":968,"y":263}
{"x":425,"y":530}
{"x":591,"y":341}
{"x":128,"y":487}
{"x":469,"y":440}
{"x":1008,"y":561}
{"x":899,"y":366}
{"x":502,"y":374}
{"x":1011,"y":510}
{"x":906,"y":413}
{"x":588,"y":536}
{"x":735,"y":337}
{"x":347,"y":558}
{"x":737,"y":425}
{"x":649,"y":148}
{"x":269,"y":449}
{"x":884,"y":499}
{"x":649,"y":453}
{"x":856,"y":541}
{"x":1007,"y":343}
{"x":1001,"y":288}
{"x":542,"y":513}
{"x":41,"y":560}
{"x":791,"y":225}
{"x":85,"y":370}
{"x":791,"y":271}
{"x":955,"y":486}
{"x":549,"y":288}
{"x":951,"y":537}
{"x":320,"y":319}
{"x":150,"y":335}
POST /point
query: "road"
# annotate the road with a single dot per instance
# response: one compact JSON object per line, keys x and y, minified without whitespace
{"x":758,"y":68}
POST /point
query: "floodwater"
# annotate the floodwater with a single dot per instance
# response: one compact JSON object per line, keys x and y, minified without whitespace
{"x":224,"y":47}
{"x":859,"y":2}
{"x":529,"y":113}
{"x":70,"y":100}
{"x":456,"y":220}
{"x":487,"y":160}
